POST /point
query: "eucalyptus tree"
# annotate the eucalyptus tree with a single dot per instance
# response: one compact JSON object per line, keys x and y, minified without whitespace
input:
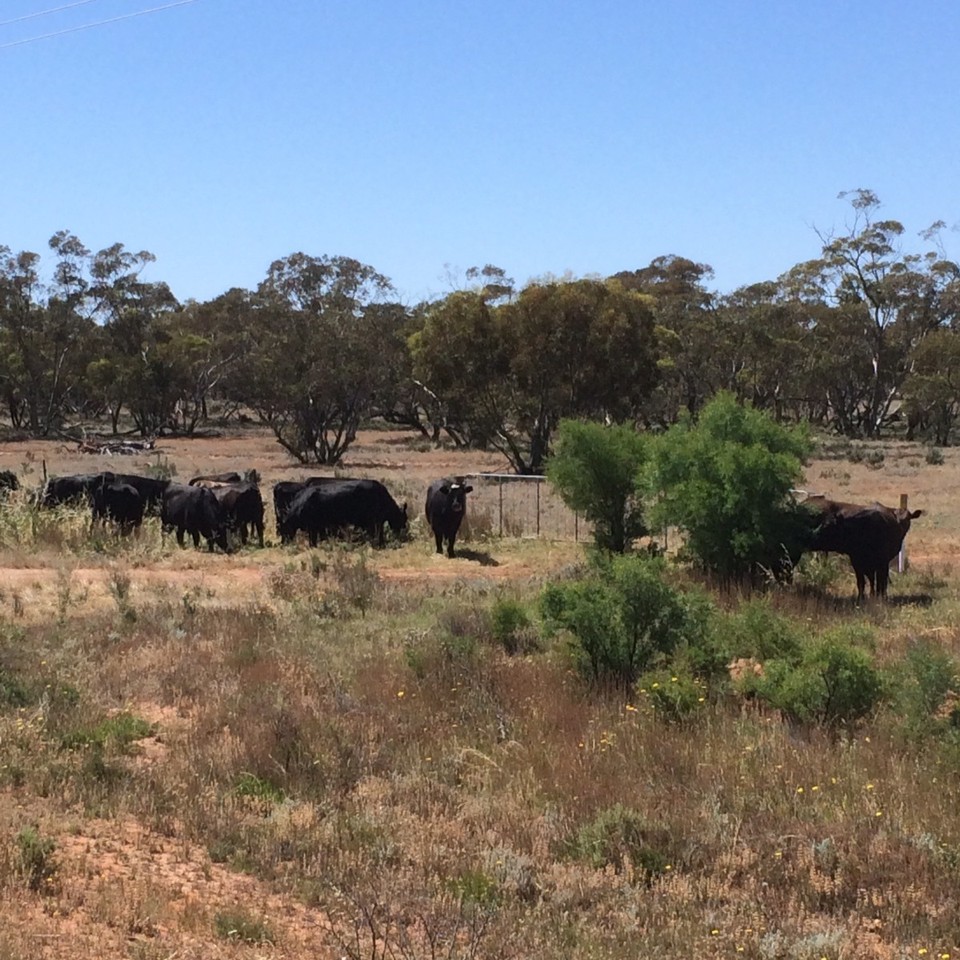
{"x":507,"y":372}
{"x":45,"y":334}
{"x":890,"y":298}
{"x":136,"y":367}
{"x":207,"y":341}
{"x":695,"y":358}
{"x":321,"y":337}
{"x":931,"y":392}
{"x":768,"y":338}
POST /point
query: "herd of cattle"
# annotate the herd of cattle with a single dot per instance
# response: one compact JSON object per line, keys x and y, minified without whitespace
{"x":223,"y":507}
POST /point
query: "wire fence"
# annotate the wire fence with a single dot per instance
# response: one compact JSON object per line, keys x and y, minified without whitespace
{"x":508,"y":505}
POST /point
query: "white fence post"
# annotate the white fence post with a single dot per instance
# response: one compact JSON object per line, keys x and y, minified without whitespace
{"x":902,"y":556}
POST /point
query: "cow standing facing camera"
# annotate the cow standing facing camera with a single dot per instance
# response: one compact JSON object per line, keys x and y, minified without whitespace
{"x":446,"y":505}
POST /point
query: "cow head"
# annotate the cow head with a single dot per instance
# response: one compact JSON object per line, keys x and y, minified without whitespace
{"x":905,"y":516}
{"x":399,"y":523}
{"x":456,"y":491}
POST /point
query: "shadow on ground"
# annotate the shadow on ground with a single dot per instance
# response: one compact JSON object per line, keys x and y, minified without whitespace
{"x":477,"y":556}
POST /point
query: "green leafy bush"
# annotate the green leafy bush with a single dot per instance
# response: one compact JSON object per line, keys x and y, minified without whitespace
{"x":594,"y":467}
{"x":927,"y":689}
{"x":617,"y":834}
{"x":835,"y":681}
{"x":120,"y":730}
{"x":673,"y":696}
{"x":621,"y":621}
{"x":240,"y":927}
{"x":35,"y":854}
{"x":511,"y":626}
{"x":756,"y":631}
{"x":725,"y":481}
{"x":250,"y":785}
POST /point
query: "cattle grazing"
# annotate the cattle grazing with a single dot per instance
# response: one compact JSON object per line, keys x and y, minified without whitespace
{"x":8,"y":482}
{"x":241,"y":507}
{"x":150,"y":489}
{"x":284,"y":493}
{"x":193,"y":510}
{"x":321,"y":510}
{"x":871,"y":535}
{"x":119,"y":503}
{"x":445,"y":509}
{"x":285,"y":490}
{"x":71,"y":489}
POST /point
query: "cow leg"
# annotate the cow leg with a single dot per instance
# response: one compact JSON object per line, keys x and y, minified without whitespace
{"x":861,"y":585}
{"x":450,"y":547}
{"x":439,"y":537}
{"x":181,"y":531}
{"x":260,"y":532}
{"x":883,"y":579}
{"x":196,"y":539}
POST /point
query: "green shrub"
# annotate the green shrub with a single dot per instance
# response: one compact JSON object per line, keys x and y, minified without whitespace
{"x":622,"y":621}
{"x":820,"y":571}
{"x":475,"y":887}
{"x":13,"y":691}
{"x":756,"y":631}
{"x":934,"y":457}
{"x":726,"y":482}
{"x":511,"y":626}
{"x":594,"y":468}
{"x":926,"y":689}
{"x":35,"y":855}
{"x":618,"y":834}
{"x":834,"y":683}
{"x":119,"y":730}
{"x":250,"y":785}
{"x":242,"y":928}
{"x":673,"y":696}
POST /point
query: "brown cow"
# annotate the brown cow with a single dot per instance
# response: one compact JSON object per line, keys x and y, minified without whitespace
{"x":871,"y":535}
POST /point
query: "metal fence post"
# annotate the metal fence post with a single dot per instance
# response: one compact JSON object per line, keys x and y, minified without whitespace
{"x":538,"y":508}
{"x":500,"y":489}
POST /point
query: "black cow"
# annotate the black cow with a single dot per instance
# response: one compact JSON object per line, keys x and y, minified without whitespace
{"x":284,"y":494}
{"x":445,"y":508}
{"x":193,"y":510}
{"x":71,"y":489}
{"x":871,"y":535}
{"x":324,"y":509}
{"x":150,"y":489}
{"x":242,"y":508}
{"x":285,"y":490}
{"x":118,"y":502}
{"x":8,"y":481}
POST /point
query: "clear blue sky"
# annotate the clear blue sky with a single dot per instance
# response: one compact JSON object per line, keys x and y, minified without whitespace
{"x":543,"y":137}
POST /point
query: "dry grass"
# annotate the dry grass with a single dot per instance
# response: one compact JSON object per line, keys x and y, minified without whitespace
{"x":290,"y":753}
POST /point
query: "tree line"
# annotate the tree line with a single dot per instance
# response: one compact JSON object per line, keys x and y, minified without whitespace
{"x":865,"y":334}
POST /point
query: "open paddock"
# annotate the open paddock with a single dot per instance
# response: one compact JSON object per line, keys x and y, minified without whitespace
{"x":293,"y":753}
